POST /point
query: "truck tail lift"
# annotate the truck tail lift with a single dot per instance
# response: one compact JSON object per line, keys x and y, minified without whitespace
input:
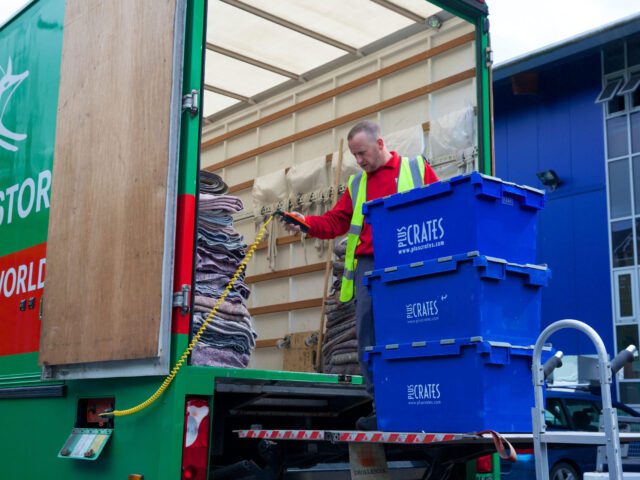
{"x":444,"y":450}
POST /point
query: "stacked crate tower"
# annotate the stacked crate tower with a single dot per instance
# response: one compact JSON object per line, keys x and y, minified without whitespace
{"x":457,"y":299}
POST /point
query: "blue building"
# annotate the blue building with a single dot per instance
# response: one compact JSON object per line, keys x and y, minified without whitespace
{"x":567,"y":117}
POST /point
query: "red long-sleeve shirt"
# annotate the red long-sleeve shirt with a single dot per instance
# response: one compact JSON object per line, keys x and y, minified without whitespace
{"x":380,"y":183}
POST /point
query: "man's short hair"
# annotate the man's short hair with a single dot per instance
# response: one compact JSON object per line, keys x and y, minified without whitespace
{"x":370,"y":128}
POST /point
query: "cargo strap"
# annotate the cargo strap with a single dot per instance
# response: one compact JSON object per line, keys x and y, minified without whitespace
{"x":499,"y":442}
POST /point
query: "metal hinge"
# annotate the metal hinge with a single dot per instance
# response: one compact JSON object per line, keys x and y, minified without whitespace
{"x":47,"y":372}
{"x":190,"y":102}
{"x":181,"y":299}
{"x":488,"y":57}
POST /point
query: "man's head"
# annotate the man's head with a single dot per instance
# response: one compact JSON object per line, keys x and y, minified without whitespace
{"x":366,"y":144}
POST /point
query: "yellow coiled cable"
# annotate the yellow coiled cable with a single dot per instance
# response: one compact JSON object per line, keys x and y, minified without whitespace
{"x":196,"y":337}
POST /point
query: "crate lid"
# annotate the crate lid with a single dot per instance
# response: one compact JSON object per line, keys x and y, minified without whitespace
{"x":485,"y":186}
{"x":489,"y":267}
{"x":451,"y":347}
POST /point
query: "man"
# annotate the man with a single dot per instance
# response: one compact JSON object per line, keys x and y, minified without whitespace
{"x":384,"y":173}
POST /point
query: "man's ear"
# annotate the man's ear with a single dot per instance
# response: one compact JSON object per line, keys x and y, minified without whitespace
{"x":380,"y":143}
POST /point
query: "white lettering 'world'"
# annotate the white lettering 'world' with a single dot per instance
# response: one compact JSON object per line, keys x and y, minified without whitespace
{"x":22,"y":199}
{"x":22,"y":279}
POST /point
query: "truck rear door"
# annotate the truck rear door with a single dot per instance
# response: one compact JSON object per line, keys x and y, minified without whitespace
{"x":107,"y":300}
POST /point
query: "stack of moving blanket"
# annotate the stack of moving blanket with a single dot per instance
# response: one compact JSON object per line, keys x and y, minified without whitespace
{"x":229,"y":336}
{"x":212,"y":183}
{"x":340,"y":347}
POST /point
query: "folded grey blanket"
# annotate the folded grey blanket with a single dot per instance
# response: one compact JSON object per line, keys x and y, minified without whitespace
{"x":346,"y":369}
{"x":340,"y":248}
{"x":344,"y":336}
{"x":212,"y":183}
{"x":344,"y":358}
{"x":339,"y":328}
{"x":243,"y":326}
{"x":346,"y":346}
{"x":228,"y":203}
{"x":226,"y":307}
{"x":224,"y":316}
{"x":342,"y":349}
{"x":218,"y":357}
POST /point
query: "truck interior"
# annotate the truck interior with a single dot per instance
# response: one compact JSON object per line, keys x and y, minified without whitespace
{"x":274,"y":114}
{"x":274,"y":117}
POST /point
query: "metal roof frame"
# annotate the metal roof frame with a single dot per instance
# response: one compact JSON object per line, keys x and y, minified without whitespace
{"x":400,"y":10}
{"x":228,"y":93}
{"x":420,"y":20}
{"x":472,"y":11}
{"x":323,"y":69}
{"x":254,"y":62}
{"x":292,"y":26}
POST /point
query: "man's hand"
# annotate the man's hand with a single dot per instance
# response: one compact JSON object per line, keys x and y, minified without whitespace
{"x":292,"y":228}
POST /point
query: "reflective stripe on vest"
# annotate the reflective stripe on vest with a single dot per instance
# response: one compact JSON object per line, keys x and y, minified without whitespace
{"x":411,"y":174}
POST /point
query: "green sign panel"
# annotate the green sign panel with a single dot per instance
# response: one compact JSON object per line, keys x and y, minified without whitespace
{"x":30,"y":51}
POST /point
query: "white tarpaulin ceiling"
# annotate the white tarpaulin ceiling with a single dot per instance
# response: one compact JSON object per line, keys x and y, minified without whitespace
{"x":256,"y":45}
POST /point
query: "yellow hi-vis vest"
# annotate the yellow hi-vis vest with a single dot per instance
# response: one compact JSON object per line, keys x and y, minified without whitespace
{"x":411,"y":175}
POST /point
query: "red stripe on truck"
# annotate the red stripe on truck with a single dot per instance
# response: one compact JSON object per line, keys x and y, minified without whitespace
{"x":183,"y":266}
{"x":21,"y":285}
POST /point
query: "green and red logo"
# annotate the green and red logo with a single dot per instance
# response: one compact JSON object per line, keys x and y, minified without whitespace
{"x":30,"y":56}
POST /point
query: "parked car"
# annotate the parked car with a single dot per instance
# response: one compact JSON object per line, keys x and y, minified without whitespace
{"x":568,"y":409}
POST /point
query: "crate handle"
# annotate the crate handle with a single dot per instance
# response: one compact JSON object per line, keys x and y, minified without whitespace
{"x":422,"y":352}
{"x":400,"y":275}
{"x":526,"y":198}
{"x":427,"y":191}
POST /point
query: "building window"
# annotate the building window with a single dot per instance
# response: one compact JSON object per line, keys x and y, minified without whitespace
{"x":620,"y":98}
{"x":622,"y":243}
{"x":630,"y":85}
{"x":635,"y":132}
{"x":633,"y":50}
{"x":620,"y":191}
{"x":613,"y":57}
{"x":625,"y":299}
{"x":636,"y":183}
{"x":609,"y":90}
{"x":617,"y":137}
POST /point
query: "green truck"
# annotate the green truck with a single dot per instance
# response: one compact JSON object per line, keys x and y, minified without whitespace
{"x":100,"y":142}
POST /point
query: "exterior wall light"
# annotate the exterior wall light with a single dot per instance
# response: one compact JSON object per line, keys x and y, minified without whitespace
{"x":549,"y":179}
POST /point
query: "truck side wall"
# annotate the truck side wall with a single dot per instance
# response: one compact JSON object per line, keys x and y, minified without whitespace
{"x":31,"y":45}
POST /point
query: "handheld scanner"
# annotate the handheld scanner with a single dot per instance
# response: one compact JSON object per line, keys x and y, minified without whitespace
{"x":293,"y":220}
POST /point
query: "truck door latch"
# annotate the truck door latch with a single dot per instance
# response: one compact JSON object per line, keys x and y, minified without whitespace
{"x":190,"y":102}
{"x":181,"y":299}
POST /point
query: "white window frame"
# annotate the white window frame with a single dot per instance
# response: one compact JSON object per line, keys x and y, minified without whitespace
{"x":635,"y":292}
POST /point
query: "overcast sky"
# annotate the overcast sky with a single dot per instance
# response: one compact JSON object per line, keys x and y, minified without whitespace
{"x":517,"y":26}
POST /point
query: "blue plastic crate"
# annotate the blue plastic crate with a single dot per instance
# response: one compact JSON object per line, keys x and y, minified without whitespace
{"x":460,"y":296}
{"x":470,"y":212}
{"x":455,"y":387}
